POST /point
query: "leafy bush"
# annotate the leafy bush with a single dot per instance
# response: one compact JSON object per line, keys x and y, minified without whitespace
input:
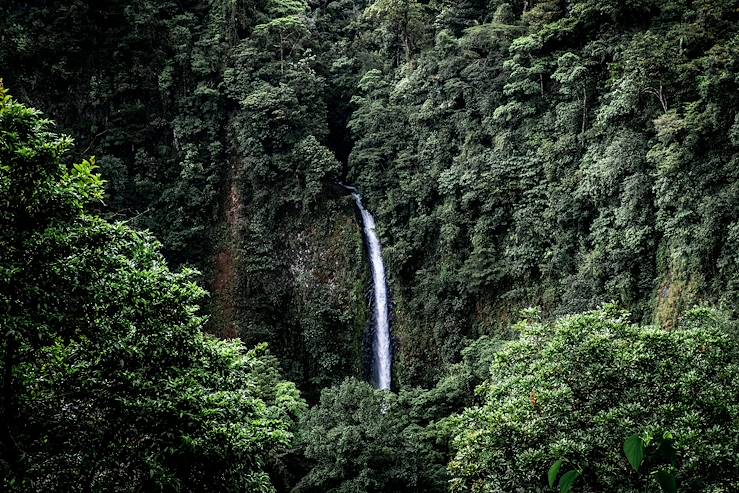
{"x":576,"y":389}
{"x":360,"y":439}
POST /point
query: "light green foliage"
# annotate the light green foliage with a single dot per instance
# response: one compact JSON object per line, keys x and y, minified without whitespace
{"x":109,"y":383}
{"x":577,"y":388}
{"x":35,"y":185}
{"x":287,"y":22}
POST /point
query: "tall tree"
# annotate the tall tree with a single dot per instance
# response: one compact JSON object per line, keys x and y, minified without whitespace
{"x":108,"y":382}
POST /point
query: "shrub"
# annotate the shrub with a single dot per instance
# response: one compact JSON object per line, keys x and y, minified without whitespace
{"x":577,"y":388}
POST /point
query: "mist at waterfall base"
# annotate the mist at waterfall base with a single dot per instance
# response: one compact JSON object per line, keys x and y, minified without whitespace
{"x":381,"y":344}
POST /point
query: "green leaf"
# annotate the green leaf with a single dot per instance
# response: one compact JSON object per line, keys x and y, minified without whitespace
{"x":553,"y":471}
{"x":567,"y":480}
{"x":667,"y":481}
{"x":666,"y":451}
{"x":634,"y":450}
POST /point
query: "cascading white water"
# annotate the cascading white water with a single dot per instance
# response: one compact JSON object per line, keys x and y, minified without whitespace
{"x":381,"y":351}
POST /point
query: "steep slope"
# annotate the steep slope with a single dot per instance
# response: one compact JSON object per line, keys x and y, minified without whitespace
{"x":548,"y":153}
{"x":209,"y":121}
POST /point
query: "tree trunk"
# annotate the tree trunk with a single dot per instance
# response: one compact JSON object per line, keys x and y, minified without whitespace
{"x":11,"y":452}
{"x":282,"y":54}
{"x":584,"y":111}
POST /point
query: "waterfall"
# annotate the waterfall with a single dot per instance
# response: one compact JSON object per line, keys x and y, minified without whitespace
{"x":381,"y":350}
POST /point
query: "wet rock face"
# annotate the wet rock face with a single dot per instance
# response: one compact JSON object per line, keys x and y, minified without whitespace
{"x":311,"y":305}
{"x":327,"y":271}
{"x":223,"y":283}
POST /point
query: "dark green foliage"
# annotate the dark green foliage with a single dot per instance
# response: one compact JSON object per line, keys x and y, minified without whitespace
{"x":577,"y":388}
{"x":135,"y":81}
{"x":565,"y":482}
{"x":523,"y":153}
{"x":457,"y":15}
{"x":561,"y":154}
{"x":108,"y":382}
{"x":286,"y":224}
{"x":659,"y":451}
{"x":209,"y":121}
{"x":634,"y":450}
{"x":359,"y":439}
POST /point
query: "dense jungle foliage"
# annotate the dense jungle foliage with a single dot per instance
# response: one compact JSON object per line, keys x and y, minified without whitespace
{"x":159,"y":299}
{"x":109,"y":382}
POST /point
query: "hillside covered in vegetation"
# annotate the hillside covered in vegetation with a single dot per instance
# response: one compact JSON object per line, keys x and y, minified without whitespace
{"x":187,"y":297}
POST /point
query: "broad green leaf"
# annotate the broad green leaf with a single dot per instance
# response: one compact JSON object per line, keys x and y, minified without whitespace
{"x":634,"y":450}
{"x":667,"y":481}
{"x":568,"y":480}
{"x":553,"y":472}
{"x":666,"y":451}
